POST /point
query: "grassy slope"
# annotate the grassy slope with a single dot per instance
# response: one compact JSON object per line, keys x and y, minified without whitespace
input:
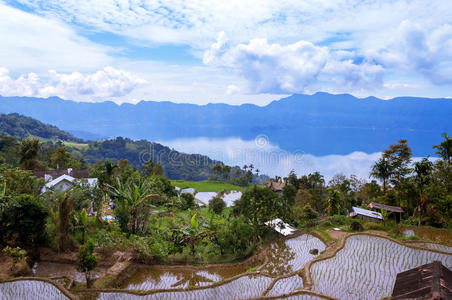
{"x":207,"y":186}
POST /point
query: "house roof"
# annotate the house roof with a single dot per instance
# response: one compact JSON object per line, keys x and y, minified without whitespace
{"x":70,"y":179}
{"x":57,"y":173}
{"x":275,"y":185}
{"x":429,"y":281}
{"x":281,"y":227}
{"x":386,"y":207}
{"x":367,"y":213}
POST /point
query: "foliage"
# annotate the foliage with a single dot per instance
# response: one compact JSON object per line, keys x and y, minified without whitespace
{"x":17,"y":254}
{"x":23,"y":127}
{"x":207,"y":186}
{"x":86,"y":260}
{"x":17,"y":182}
{"x":233,"y":236}
{"x":134,"y":203}
{"x":29,"y":150}
{"x":187,"y":201}
{"x":22,"y":222}
{"x":259,"y":205}
{"x":217,"y":205}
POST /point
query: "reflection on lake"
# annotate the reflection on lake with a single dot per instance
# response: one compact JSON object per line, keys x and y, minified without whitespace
{"x":271,"y":159}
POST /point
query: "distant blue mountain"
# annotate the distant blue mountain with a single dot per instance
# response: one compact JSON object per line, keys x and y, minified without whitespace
{"x":319,"y":124}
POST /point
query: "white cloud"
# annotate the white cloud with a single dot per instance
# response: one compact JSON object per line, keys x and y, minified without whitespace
{"x":108,"y":82}
{"x":30,"y":42}
{"x":291,"y":68}
{"x":414,"y":48}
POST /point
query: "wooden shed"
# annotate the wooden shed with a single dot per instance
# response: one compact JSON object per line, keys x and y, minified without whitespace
{"x":395,"y":211}
{"x":430,"y":281}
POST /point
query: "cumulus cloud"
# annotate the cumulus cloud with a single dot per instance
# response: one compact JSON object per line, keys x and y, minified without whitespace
{"x":291,"y":68}
{"x":108,"y":82}
{"x":414,"y":48}
{"x":33,"y":43}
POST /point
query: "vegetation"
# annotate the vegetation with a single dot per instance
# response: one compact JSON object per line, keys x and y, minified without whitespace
{"x":86,"y":260}
{"x":207,"y":186}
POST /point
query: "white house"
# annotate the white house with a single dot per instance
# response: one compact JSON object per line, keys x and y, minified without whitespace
{"x":64,"y":182}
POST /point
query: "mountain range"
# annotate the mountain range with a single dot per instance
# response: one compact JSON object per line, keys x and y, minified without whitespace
{"x":319,"y":124}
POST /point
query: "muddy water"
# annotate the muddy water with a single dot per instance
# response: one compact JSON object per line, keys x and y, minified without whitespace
{"x":30,"y":289}
{"x":284,"y":257}
{"x":433,"y":234}
{"x":50,"y":269}
{"x":151,"y":277}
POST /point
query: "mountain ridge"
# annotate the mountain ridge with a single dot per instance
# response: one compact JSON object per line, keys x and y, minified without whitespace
{"x":320,"y":124}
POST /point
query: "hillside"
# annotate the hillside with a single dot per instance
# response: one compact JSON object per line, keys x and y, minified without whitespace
{"x":22,"y":127}
{"x":297,"y":123}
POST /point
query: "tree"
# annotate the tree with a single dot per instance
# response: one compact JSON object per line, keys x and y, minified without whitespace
{"x":29,"y":150}
{"x":445,"y":149}
{"x":399,"y":159}
{"x":22,"y":222}
{"x":86,"y":261}
{"x":150,"y":168}
{"x":422,"y":169}
{"x":334,"y":202}
{"x":65,"y":209}
{"x":134,"y":203}
{"x":260,"y":205}
{"x":187,"y":201}
{"x":382,"y":170}
{"x":60,"y":159}
{"x":193,"y":233}
{"x":18,"y":182}
{"x":217,"y":205}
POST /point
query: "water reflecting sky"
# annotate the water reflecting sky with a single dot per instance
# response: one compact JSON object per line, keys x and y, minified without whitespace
{"x":271,"y":159}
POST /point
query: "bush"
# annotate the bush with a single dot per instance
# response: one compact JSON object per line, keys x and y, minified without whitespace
{"x":187,"y":201}
{"x":17,"y":254}
{"x":23,"y":222}
{"x":217,"y":205}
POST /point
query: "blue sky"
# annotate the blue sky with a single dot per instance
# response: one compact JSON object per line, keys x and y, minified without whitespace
{"x":215,"y":51}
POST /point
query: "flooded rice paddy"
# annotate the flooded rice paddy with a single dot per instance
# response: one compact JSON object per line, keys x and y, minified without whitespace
{"x":367,"y":266}
{"x":30,"y":289}
{"x":364,"y":269}
{"x":51,"y":269}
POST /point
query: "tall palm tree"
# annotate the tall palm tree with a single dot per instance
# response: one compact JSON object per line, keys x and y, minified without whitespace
{"x":382,"y":170}
{"x":422,"y":169}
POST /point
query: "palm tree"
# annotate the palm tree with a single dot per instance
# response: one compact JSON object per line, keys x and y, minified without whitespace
{"x":382,"y":170}
{"x":445,"y":149}
{"x":422,"y":169}
{"x":29,"y":150}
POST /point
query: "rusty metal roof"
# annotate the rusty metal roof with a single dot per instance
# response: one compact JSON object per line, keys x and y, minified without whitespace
{"x":386,"y":207}
{"x":430,"y":281}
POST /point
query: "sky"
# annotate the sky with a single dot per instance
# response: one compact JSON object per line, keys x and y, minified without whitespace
{"x":234,"y":52}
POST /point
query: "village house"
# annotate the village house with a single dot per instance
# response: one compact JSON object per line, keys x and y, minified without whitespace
{"x":395,"y":212}
{"x":365,"y":214}
{"x":62,"y":179}
{"x":275,"y":186}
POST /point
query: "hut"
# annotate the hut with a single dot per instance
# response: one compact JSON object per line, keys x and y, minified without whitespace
{"x":430,"y":281}
{"x":365,"y":214}
{"x":275,"y":186}
{"x":394,"y":211}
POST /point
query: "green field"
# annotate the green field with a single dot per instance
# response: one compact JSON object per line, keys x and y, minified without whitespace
{"x":207,"y":186}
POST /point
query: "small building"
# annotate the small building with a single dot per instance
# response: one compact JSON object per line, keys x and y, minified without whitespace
{"x":275,"y":186}
{"x":281,"y":227}
{"x":50,"y":175}
{"x":430,"y":281}
{"x":394,"y":211}
{"x":64,"y":182}
{"x":365,"y":214}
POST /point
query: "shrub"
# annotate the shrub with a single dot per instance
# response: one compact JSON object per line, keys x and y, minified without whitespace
{"x":17,"y":254}
{"x":187,"y":201}
{"x":217,"y":205}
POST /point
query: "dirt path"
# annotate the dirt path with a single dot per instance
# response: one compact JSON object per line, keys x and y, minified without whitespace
{"x":336,"y":234}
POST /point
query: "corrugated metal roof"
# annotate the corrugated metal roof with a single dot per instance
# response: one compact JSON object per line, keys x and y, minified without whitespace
{"x":367,"y":213}
{"x":281,"y":227}
{"x":386,"y":207}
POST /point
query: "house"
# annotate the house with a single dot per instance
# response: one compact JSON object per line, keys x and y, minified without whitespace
{"x":281,"y":227}
{"x":62,"y":179}
{"x":275,"y":186}
{"x":395,"y":211}
{"x":365,"y":214}
{"x":429,"y":281}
